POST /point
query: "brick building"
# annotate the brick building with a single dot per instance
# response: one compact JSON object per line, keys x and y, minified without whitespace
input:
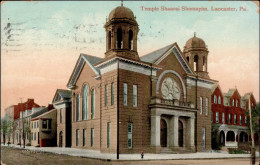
{"x":14,"y":112}
{"x":159,"y":102}
{"x":229,"y":116}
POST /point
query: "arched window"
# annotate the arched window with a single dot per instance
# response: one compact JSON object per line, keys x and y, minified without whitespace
{"x":119,"y":39}
{"x":196,"y":61}
{"x":85,"y":103}
{"x":215,"y":99}
{"x":77,"y":106}
{"x":235,"y":119}
{"x":130,"y":40}
{"x":233,"y":102}
{"x":219,"y":100}
{"x":204,"y":63}
{"x":109,"y":40}
{"x":237,"y":103}
{"x":92,"y":103}
{"x":188,"y":58}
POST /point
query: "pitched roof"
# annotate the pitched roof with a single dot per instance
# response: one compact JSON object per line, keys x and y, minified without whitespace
{"x":246,"y":96}
{"x":92,"y":59}
{"x":39,"y":112}
{"x":64,"y":93}
{"x":153,"y":56}
{"x":230,"y":92}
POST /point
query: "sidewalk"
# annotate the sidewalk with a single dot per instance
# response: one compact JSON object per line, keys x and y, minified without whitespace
{"x":97,"y":155}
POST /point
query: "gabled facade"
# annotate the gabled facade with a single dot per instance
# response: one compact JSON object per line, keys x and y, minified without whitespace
{"x":62,"y":102}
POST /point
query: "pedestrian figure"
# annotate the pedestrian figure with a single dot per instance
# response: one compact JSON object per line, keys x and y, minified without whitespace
{"x":142,"y":155}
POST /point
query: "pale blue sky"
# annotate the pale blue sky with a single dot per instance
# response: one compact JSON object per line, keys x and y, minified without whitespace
{"x":47,"y":37}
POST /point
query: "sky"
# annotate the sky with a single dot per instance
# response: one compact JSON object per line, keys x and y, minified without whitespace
{"x":41,"y":41}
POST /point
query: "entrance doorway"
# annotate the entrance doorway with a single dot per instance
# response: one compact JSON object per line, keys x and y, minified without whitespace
{"x":163,"y":133}
{"x":60,"y":139}
{"x":38,"y":137}
{"x":180,"y":134}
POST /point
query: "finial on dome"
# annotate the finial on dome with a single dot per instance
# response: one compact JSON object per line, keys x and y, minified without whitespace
{"x":194,"y":34}
{"x":122,"y":3}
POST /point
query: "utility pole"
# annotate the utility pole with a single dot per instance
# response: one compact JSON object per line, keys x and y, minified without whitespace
{"x":22,"y":124}
{"x":252,"y":134}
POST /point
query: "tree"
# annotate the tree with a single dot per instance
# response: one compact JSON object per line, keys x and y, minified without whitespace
{"x":255,"y":119}
{"x":27,"y":129}
{"x":4,"y":127}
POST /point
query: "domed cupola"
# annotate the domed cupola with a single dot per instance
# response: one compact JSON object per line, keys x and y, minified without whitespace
{"x":121,"y":12}
{"x":121,"y":34}
{"x":196,"y":53}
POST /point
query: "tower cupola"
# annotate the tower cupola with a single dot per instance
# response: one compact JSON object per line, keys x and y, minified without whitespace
{"x":121,"y":34}
{"x":196,"y":53}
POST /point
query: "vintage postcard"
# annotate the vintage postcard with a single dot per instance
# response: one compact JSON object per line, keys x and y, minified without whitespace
{"x":157,"y":82}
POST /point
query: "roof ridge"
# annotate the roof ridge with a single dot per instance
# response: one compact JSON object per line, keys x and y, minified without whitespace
{"x":158,"y":49}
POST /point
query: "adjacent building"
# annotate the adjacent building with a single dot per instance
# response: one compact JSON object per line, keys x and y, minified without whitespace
{"x":229,"y":116}
{"x":62,"y":102}
{"x":44,"y":129}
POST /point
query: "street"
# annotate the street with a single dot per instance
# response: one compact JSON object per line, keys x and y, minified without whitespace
{"x":12,"y":156}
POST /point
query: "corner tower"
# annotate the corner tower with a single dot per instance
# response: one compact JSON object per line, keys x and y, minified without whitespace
{"x":196,"y":53}
{"x":121,"y":34}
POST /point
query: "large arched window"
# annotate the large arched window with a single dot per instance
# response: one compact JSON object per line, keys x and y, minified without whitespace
{"x":130,"y":40}
{"x":77,"y":106}
{"x":85,"y":103}
{"x":196,"y":62}
{"x":119,"y":39}
{"x":92,"y":103}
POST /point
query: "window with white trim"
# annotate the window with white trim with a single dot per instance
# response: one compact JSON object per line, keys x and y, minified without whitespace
{"x":92,"y":137}
{"x":217,"y":117}
{"x":85,"y":103}
{"x":77,"y":106}
{"x":92,"y":103}
{"x":215,"y":99}
{"x":135,"y":95}
{"x":106,"y":95}
{"x":112,"y":94}
{"x":108,"y":135}
{"x":130,"y":135}
{"x":77,"y":137}
{"x":84,"y":137}
{"x":229,"y":118}
{"x":219,"y":100}
{"x":206,"y":106}
{"x":233,"y":102}
{"x":237,"y":103}
{"x":125,"y":93}
{"x":240,"y":120}
{"x":201,"y":105}
{"x":235,"y":119}
{"x":61,"y":115}
{"x":223,"y":118}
